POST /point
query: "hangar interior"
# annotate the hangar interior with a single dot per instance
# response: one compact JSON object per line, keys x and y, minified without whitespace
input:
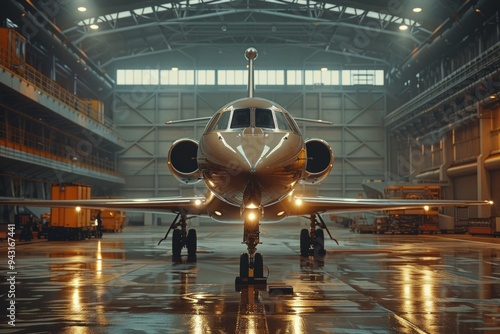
{"x":87,"y":86}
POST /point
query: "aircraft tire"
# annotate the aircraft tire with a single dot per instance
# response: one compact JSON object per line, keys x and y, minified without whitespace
{"x":319,"y":248}
{"x":258,"y":265}
{"x":304,"y":242}
{"x":244,"y":265}
{"x":191,"y":242}
{"x":176,"y":243}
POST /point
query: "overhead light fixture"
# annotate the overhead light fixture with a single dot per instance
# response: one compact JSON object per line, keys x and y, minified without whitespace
{"x":417,"y":10}
{"x":94,"y":26}
{"x":82,"y":9}
{"x":324,"y":69}
{"x":403,"y":27}
{"x":175,"y":69}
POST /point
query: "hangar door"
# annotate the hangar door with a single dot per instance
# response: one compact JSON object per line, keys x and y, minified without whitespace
{"x":495,"y":192}
{"x":465,"y":187}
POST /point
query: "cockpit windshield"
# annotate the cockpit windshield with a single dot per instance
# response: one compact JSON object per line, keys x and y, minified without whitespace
{"x":241,"y":118}
{"x":264,"y":118}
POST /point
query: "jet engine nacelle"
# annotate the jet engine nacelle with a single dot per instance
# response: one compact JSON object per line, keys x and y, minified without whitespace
{"x":182,"y":161}
{"x":319,"y":161}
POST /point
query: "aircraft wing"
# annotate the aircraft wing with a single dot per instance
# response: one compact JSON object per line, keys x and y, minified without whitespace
{"x":188,"y":205}
{"x":311,"y":205}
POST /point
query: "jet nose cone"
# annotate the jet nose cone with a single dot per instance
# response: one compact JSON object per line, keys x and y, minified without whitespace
{"x":252,"y":155}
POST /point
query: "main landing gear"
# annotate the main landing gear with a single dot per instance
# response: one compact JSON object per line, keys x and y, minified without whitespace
{"x":182,"y":237}
{"x":251,"y":263}
{"x":312,"y":241}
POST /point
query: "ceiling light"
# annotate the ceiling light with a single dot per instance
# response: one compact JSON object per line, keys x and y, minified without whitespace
{"x":175,"y":69}
{"x":82,"y":9}
{"x":417,"y":10}
{"x":403,"y":27}
{"x":324,"y":69}
{"x":94,"y":26}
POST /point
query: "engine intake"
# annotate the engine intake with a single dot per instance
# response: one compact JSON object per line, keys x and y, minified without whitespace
{"x":182,"y":161}
{"x":319,"y":161}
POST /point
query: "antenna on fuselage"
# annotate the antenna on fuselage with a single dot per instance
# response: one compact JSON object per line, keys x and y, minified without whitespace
{"x":251,"y":55}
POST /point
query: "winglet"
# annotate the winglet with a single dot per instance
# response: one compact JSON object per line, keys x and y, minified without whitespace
{"x":251,"y":55}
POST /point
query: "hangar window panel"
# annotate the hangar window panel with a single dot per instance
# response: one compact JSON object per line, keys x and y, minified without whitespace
{"x":186,"y":77}
{"x":120,"y":77}
{"x":137,"y":77}
{"x":318,"y":77}
{"x":346,"y":78}
{"x":150,"y":77}
{"x":205,"y":77}
{"x":125,"y":77}
{"x":270,"y":77}
{"x":309,"y":77}
{"x":379,"y":77}
{"x":362,"y":77}
{"x":169,"y":77}
{"x":231,"y":77}
{"x":294,"y":77}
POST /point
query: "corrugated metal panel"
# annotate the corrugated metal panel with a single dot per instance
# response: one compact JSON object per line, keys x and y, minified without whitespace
{"x":465,"y":188}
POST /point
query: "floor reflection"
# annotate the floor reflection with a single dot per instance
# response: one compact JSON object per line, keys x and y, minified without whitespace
{"x":369,"y":284}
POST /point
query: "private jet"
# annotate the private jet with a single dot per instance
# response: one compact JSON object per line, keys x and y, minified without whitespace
{"x":251,"y":157}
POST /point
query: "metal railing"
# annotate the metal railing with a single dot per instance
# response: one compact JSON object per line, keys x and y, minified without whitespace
{"x":48,"y":86}
{"x":59,"y":148}
{"x":465,"y":76}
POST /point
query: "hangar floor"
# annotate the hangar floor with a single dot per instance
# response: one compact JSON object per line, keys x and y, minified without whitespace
{"x":125,"y":283}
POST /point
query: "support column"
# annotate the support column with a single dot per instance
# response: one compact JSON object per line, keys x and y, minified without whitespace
{"x":448,"y":159}
{"x":483,"y":175}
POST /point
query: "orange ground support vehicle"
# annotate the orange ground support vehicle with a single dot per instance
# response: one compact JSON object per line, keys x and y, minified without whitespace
{"x":70,"y":223}
{"x":112,"y":220}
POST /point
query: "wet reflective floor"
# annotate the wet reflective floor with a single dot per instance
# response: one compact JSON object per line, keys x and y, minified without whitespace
{"x":126,"y":283}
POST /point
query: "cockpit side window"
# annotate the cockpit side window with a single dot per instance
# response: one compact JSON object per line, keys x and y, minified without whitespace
{"x":291,"y":122}
{"x":282,"y":123}
{"x":223,"y":121}
{"x":264,"y":118}
{"x":241,"y":118}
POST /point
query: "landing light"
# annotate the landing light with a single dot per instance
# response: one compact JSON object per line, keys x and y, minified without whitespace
{"x":251,"y":216}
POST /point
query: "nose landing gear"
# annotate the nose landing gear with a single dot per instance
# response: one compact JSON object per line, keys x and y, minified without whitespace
{"x":251,"y":263}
